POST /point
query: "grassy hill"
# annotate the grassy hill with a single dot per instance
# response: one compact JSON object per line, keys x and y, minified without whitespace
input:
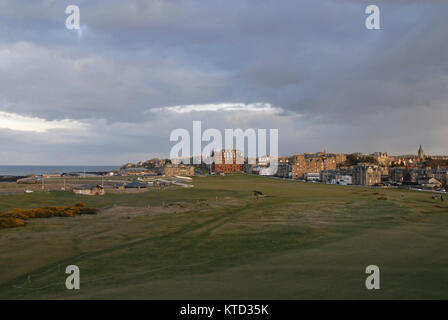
{"x":214,"y":241}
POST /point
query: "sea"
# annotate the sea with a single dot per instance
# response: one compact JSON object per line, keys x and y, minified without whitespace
{"x":38,"y":170}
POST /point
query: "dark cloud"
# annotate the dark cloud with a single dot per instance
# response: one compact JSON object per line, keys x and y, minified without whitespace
{"x":356,"y":89}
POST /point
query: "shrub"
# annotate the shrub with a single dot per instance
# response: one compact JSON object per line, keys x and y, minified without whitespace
{"x":11,"y":222}
{"x":16,"y":217}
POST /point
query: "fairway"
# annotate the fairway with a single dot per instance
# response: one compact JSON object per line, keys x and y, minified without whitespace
{"x":215,"y":241}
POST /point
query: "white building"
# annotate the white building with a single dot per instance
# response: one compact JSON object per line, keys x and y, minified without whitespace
{"x":268,"y":171}
{"x":264,"y":161}
{"x":345,"y":180}
{"x":312,"y":176}
{"x":89,"y":190}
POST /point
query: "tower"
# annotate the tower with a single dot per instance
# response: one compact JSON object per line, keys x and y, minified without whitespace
{"x":421,"y":154}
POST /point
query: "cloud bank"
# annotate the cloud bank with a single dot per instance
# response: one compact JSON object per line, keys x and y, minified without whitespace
{"x":143,"y":68}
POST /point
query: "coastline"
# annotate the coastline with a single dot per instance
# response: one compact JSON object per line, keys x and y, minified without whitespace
{"x":13,"y":173}
{"x":9,"y":178}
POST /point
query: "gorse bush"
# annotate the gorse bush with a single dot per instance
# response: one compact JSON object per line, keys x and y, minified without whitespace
{"x":17,"y":217}
{"x":11,"y":222}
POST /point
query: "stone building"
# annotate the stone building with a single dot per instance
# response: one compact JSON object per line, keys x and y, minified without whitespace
{"x":429,"y":183}
{"x":397,"y":175}
{"x":441,"y":174}
{"x":313,"y":163}
{"x":411,"y":175}
{"x":338,"y":176}
{"x":227,"y":161}
{"x":284,"y":167}
{"x":287,"y":159}
{"x":340,"y":158}
{"x":171,"y":170}
{"x":414,"y":175}
{"x":382,"y":158}
{"x":284,"y":170}
{"x":366,"y":175}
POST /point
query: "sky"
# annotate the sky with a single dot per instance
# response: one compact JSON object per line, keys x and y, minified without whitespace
{"x":113,"y":91}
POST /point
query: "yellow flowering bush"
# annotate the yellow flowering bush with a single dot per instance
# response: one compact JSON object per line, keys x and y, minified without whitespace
{"x":16,"y":217}
{"x":11,"y":222}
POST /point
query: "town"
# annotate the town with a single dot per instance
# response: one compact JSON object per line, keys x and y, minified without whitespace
{"x":419,"y":172}
{"x":378,"y":169}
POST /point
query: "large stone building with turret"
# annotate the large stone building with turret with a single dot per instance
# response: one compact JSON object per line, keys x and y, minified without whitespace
{"x":315,"y":163}
{"x":227,"y":161}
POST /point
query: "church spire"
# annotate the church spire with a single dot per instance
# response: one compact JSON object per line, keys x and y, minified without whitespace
{"x":421,"y":154}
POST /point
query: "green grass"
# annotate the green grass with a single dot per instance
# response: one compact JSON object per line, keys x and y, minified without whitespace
{"x":301,"y":241}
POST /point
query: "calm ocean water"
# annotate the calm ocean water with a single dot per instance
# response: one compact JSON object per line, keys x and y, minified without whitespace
{"x":24,"y":170}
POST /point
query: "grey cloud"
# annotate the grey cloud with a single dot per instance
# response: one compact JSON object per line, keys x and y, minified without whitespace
{"x":313,"y":58}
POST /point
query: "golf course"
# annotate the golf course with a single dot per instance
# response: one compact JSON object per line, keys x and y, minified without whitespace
{"x":216,"y":240}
